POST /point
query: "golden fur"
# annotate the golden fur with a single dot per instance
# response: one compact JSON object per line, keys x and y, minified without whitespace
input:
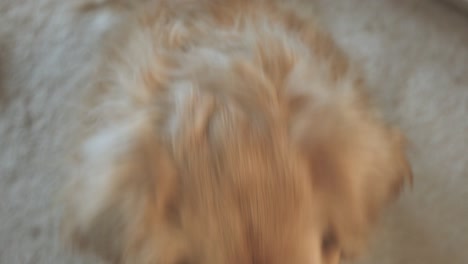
{"x":227,"y":132}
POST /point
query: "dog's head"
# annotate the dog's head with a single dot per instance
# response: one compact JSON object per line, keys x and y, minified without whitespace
{"x":237,"y":161}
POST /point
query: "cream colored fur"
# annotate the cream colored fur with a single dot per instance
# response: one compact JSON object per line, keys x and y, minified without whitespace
{"x":243,"y":107}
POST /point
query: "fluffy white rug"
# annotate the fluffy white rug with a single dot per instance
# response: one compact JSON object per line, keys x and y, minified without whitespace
{"x":415,"y":53}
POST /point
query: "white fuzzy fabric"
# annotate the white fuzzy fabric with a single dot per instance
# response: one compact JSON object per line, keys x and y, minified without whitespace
{"x":462,"y":4}
{"x":415,"y":53}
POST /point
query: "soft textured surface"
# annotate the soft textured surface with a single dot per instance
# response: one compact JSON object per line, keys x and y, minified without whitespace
{"x":463,"y":4}
{"x":415,"y":53}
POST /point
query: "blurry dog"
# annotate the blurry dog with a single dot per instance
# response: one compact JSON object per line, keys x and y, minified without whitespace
{"x":228,"y":132}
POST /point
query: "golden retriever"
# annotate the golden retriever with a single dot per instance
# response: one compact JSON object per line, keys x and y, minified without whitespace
{"x":228,"y":132}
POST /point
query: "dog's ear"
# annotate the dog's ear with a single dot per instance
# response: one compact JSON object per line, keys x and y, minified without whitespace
{"x":124,"y":182}
{"x":357,"y":163}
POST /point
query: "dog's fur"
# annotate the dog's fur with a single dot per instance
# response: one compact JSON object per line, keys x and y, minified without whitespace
{"x":229,"y":132}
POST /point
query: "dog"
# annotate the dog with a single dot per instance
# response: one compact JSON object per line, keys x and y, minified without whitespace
{"x":227,"y":132}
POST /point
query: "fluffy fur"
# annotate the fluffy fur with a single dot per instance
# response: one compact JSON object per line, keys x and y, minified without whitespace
{"x":229,"y":132}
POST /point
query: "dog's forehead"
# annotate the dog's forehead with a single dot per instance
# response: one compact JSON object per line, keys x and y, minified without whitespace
{"x":246,"y":164}
{"x":245,"y":184}
{"x":251,"y":227}
{"x":249,"y":205}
